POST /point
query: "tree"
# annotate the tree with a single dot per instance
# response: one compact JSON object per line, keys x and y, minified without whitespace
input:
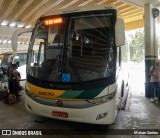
{"x":137,"y":46}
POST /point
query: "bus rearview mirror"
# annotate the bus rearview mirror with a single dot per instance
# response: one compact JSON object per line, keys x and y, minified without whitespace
{"x":17,"y":33}
{"x":120,"y":32}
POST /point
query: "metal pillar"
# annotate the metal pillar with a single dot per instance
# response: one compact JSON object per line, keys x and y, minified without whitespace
{"x":151,"y":49}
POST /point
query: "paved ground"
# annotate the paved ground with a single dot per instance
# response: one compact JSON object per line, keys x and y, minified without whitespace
{"x":139,"y":115}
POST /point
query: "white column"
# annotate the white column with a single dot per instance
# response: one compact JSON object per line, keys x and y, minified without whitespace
{"x":150,"y":44}
{"x":151,"y":49}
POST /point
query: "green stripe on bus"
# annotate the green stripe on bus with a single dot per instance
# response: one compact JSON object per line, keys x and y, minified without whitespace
{"x":71,"y":94}
{"x":82,"y":94}
{"x":89,"y":94}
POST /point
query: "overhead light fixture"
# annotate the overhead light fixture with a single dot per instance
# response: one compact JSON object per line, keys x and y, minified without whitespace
{"x":28,"y":26}
{"x":85,"y":3}
{"x":69,"y":4}
{"x":4,"y":23}
{"x":13,"y":24}
{"x":58,"y":2}
{"x":101,"y":2}
{"x":22,"y":43}
{"x":4,"y":41}
{"x":20,"y":25}
{"x":9,"y":41}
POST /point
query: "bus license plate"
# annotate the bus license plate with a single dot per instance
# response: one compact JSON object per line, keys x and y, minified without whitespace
{"x":60,"y":114}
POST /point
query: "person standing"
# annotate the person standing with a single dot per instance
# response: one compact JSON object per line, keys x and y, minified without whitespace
{"x":155,"y":80}
{"x":13,"y":80}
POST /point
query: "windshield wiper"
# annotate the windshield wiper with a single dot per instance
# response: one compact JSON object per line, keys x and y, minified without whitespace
{"x":78,"y":76}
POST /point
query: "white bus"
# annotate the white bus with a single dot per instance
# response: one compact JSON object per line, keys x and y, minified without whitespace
{"x":12,"y":57}
{"x":75,"y":74}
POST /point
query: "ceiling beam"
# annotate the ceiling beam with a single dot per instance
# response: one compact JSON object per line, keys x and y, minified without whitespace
{"x":9,"y":9}
{"x":131,"y":12}
{"x":119,"y":6}
{"x":133,"y":15}
{"x":133,"y":18}
{"x":21,"y":10}
{"x":1,"y":3}
{"x":135,"y":24}
{"x":124,"y":10}
{"x":111,"y":2}
{"x":37,"y":7}
{"x":43,"y":11}
{"x":133,"y":4}
{"x":114,"y":2}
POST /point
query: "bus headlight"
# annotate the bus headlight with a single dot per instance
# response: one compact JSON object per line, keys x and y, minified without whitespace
{"x":103,"y":99}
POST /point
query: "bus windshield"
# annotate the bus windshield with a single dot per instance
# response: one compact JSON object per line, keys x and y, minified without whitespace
{"x":73,"y":48}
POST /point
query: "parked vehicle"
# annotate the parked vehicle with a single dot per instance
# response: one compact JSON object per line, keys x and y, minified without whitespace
{"x":76,"y":75}
{"x":14,"y":56}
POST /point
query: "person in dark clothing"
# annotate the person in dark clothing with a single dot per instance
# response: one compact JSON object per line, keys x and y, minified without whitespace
{"x":3,"y":70}
{"x":13,"y":80}
{"x":8,"y":69}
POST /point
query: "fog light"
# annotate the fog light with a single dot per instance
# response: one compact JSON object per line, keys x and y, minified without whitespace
{"x":99,"y":116}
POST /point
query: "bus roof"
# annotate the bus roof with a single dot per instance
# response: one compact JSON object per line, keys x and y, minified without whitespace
{"x":89,"y":8}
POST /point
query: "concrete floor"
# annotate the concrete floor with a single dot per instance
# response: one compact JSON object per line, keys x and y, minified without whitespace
{"x":139,"y":114}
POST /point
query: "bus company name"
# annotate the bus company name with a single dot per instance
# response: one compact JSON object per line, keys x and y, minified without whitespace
{"x":46,"y":93}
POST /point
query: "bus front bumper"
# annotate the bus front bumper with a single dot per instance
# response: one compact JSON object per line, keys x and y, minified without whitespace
{"x":100,"y":114}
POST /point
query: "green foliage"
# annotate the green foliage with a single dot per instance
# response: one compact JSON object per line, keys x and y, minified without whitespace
{"x":137,"y":46}
{"x":125,"y":53}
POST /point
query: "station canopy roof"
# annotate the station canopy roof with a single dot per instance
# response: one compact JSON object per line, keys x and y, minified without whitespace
{"x":24,"y":13}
